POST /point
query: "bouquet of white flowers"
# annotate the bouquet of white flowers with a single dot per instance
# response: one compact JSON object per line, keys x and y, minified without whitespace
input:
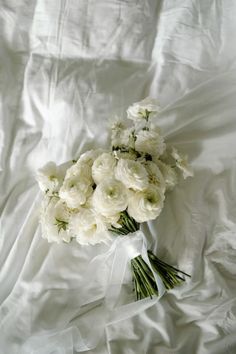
{"x":107,"y":193}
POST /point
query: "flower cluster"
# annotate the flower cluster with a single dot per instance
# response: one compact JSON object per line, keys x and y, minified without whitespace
{"x":87,"y":198}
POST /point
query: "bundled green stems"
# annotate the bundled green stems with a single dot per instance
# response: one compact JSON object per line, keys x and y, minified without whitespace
{"x":143,"y":276}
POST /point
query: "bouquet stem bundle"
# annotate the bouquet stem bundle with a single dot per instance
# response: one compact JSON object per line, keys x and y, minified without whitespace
{"x":143,"y":276}
{"x":144,"y":280}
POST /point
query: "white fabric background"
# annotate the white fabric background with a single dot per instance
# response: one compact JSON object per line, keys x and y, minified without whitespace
{"x":68,"y":66}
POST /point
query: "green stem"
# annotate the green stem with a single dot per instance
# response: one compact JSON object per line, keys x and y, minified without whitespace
{"x":144,"y":280}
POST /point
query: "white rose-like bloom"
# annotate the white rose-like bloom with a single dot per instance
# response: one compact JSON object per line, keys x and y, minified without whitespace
{"x":145,"y":205}
{"x":75,"y":190}
{"x":77,"y":185}
{"x":150,"y":142}
{"x":103,"y":167}
{"x":143,"y":109}
{"x":121,"y":135}
{"x":54,"y":220}
{"x":182,"y":163}
{"x":117,"y":133}
{"x":89,"y":157}
{"x":79,"y":169}
{"x":49,"y":178}
{"x":132,"y":174}
{"x":107,"y":220}
{"x":155,"y":176}
{"x":111,"y":220}
{"x":110,"y":197}
{"x":88,"y":228}
{"x":169,"y":174}
{"x":128,"y":138}
{"x":117,"y":130}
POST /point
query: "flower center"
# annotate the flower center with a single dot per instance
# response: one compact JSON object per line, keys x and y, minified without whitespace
{"x":111,"y":192}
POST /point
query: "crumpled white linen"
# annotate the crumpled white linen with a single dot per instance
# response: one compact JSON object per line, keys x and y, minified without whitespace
{"x":92,"y":304}
{"x":67,"y":67}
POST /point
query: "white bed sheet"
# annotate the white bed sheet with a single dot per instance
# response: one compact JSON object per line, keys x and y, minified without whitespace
{"x":67,"y":67}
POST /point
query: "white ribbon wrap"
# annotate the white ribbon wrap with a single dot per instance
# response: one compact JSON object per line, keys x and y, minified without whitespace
{"x":117,"y":259}
{"x":101,"y":300}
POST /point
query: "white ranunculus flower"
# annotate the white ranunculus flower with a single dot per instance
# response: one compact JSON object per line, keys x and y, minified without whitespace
{"x":145,"y":205}
{"x":88,"y":228}
{"x":111,"y":220}
{"x":75,"y":190}
{"x":128,"y":138}
{"x":49,"y":178}
{"x":169,"y":174}
{"x":89,"y":157}
{"x":122,"y":135}
{"x":77,"y":185}
{"x":117,"y":130}
{"x":110,"y":197}
{"x":150,"y":142}
{"x":182,"y":163}
{"x":54,"y":220}
{"x":79,"y":169}
{"x":103,"y":167}
{"x":132,"y":174}
{"x":155,"y":176}
{"x":143,"y":109}
{"x":107,"y":220}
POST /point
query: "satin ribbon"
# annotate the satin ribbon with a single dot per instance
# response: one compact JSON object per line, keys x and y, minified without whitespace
{"x":118,"y":257}
{"x":100,"y":300}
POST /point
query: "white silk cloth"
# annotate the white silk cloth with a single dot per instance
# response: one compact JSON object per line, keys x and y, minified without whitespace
{"x":66,"y":68}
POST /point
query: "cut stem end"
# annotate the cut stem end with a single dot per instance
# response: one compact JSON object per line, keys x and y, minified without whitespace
{"x":144,"y":280}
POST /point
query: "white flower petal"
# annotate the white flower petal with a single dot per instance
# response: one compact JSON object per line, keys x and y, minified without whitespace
{"x":155,"y":176}
{"x":88,"y":228}
{"x":132,"y":174}
{"x":103,"y":167}
{"x":182,"y":163}
{"x":145,"y":205}
{"x":110,"y":197}
{"x":54,"y":220}
{"x":140,"y":110}
{"x":75,"y":191}
{"x":150,"y":142}
{"x":49,"y":178}
{"x":169,"y":174}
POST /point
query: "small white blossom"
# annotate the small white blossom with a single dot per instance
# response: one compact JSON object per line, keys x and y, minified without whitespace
{"x":132,"y":174}
{"x":111,"y":220}
{"x":54,"y":220}
{"x":78,"y":170}
{"x":103,"y":167}
{"x":155,"y":176}
{"x":88,"y":228}
{"x":49,"y":178}
{"x":75,"y":191}
{"x":143,"y":109}
{"x":110,"y":197}
{"x":169,"y":174}
{"x":88,"y":157}
{"x":117,"y":130}
{"x":77,"y":185}
{"x":182,"y":163}
{"x":145,"y":205}
{"x":128,"y":138}
{"x":150,"y":142}
{"x":122,"y":135}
